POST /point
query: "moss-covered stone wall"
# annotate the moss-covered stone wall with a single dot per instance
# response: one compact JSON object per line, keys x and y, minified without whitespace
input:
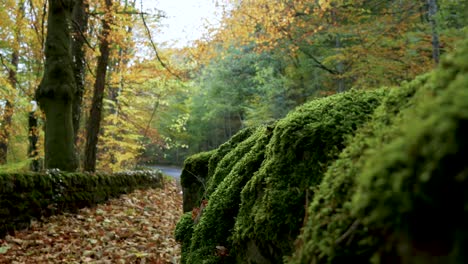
{"x":302,"y":146}
{"x":27,"y":196}
{"x":328,"y":215}
{"x":364,"y":176}
{"x":251,"y":176}
{"x":217,"y":220}
{"x":203,"y":172}
{"x":193,"y":179}
{"x":397,"y":194}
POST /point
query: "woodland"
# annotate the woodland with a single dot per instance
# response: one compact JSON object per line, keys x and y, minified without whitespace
{"x":327,"y":131}
{"x":135,"y":103}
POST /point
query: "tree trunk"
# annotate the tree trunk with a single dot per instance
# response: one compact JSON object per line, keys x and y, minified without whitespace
{"x":33,"y":138}
{"x":5,"y":131}
{"x":94,"y":123}
{"x":432,"y":12}
{"x":80,"y":26}
{"x":57,"y":89}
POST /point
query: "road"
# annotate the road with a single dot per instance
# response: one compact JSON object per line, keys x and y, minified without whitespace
{"x":169,"y":170}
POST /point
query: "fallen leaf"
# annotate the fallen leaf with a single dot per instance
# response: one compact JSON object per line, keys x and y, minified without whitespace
{"x":136,"y":228}
{"x":4,"y":249}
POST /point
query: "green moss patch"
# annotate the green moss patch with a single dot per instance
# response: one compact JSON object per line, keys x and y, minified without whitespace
{"x":201,"y":173}
{"x":397,"y":192}
{"x":324,"y":239}
{"x":183,"y":234}
{"x":213,"y":230}
{"x":415,"y":194}
{"x":302,"y":146}
{"x":219,"y":165}
{"x":264,"y":167}
{"x":370,"y":176}
{"x":193,"y":179}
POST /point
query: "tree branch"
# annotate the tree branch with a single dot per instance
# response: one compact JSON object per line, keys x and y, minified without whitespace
{"x":44,"y":14}
{"x":348,"y":232}
{"x":154,"y":45}
{"x":318,"y":63}
{"x":156,"y":106}
{"x":123,"y":13}
{"x":77,"y":26}
{"x":3,"y":63}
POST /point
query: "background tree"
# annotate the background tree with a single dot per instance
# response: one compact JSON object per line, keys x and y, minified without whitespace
{"x":80,"y":26}
{"x":22,"y":35}
{"x":11,"y":68}
{"x":95,"y":114}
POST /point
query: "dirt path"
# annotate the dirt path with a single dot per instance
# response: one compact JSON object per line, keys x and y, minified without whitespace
{"x":136,"y":228}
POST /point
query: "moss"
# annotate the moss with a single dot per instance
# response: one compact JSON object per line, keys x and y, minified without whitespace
{"x":217,"y":221}
{"x":239,"y":146}
{"x":200,"y":177}
{"x":195,"y":168}
{"x":302,"y":146}
{"x":412,"y":190}
{"x":328,"y":216}
{"x":193,"y":179}
{"x":204,"y":255}
{"x":33,"y":195}
{"x":183,"y":234}
{"x":224,"y":149}
{"x":388,"y":190}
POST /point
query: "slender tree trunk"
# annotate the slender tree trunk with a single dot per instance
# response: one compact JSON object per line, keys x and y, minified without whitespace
{"x":432,"y":12}
{"x":80,"y":26}
{"x":5,"y":131}
{"x":241,"y":121}
{"x":33,"y":138}
{"x":94,"y":123}
{"x":12,"y":79}
{"x":33,"y":129}
{"x":57,"y":89}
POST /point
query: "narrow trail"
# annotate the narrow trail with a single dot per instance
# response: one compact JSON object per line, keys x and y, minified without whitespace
{"x":136,"y":228}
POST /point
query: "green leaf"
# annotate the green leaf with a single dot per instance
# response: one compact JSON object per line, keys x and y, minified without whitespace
{"x":4,"y":249}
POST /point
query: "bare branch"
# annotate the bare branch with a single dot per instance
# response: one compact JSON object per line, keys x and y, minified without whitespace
{"x":44,"y":14}
{"x":154,"y":45}
{"x":319,"y":64}
{"x":77,"y":26}
{"x":156,"y":106}
{"x":3,"y":63}
{"x":348,"y":232}
{"x":125,"y":12}
{"x":7,"y":68}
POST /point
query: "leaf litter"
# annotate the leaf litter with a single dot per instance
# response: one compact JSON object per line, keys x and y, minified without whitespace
{"x":135,"y":228}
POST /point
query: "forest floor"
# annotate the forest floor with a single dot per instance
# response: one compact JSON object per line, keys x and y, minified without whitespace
{"x":135,"y":228}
